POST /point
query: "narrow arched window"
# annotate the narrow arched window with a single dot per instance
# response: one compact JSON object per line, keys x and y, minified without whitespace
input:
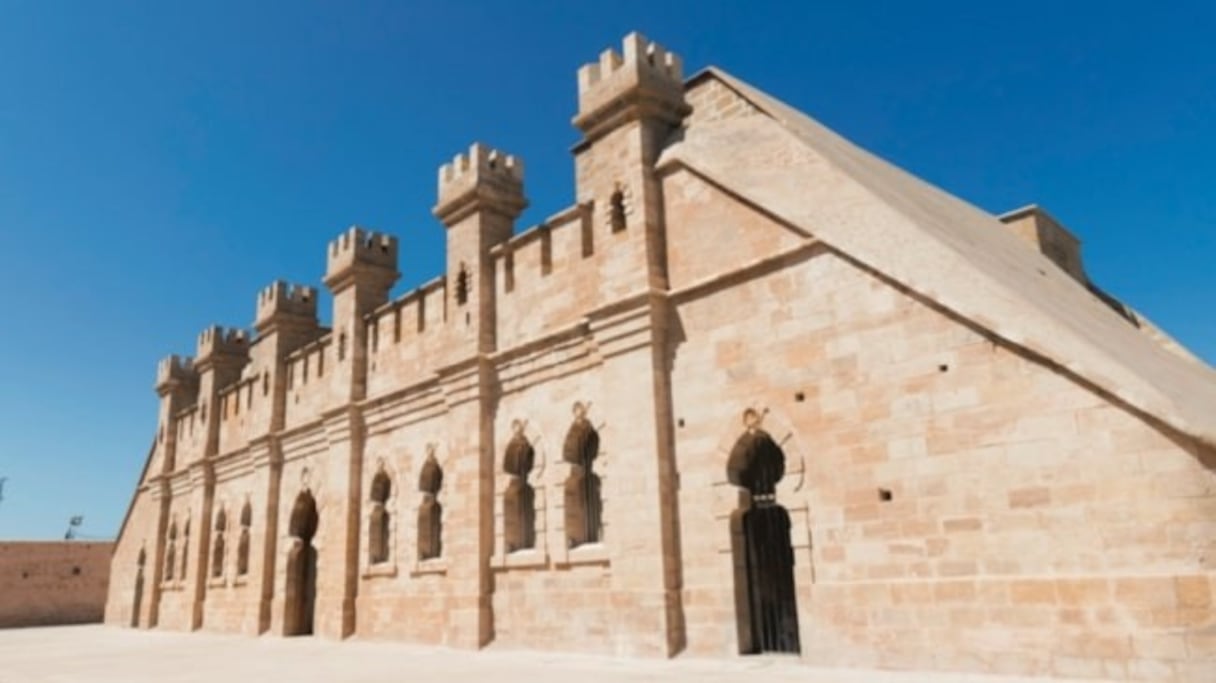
{"x":616,"y":210}
{"x":584,"y":505}
{"x":462,"y":285}
{"x":519,"y":501}
{"x":171,"y":551}
{"x":242,"y":548}
{"x":186,"y":549}
{"x":378,"y":519}
{"x":430,"y":512}
{"x":217,"y":544}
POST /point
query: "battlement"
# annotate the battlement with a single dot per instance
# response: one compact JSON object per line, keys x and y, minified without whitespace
{"x":360,"y":248}
{"x":640,"y":55}
{"x":282,"y":299}
{"x":217,"y":341}
{"x":550,"y":276}
{"x":482,"y":177}
{"x":481,"y":161}
{"x":174,"y":371}
{"x":644,"y":74}
{"x":409,"y":337}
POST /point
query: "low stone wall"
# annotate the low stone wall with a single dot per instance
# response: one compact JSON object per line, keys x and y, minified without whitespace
{"x":53,"y":582}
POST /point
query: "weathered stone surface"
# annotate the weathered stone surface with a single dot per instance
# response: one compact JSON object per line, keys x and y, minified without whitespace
{"x":53,"y":582}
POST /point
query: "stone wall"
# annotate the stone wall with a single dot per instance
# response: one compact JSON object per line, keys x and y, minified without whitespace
{"x":133,"y":569}
{"x":53,"y":582}
{"x":955,"y":504}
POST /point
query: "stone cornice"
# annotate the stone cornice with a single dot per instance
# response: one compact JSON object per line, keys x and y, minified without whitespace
{"x":340,"y":424}
{"x":265,"y":451}
{"x":462,"y":382}
{"x":558,"y":355}
{"x":233,"y":464}
{"x":416,"y":403}
{"x":623,"y":326}
{"x":304,"y":442}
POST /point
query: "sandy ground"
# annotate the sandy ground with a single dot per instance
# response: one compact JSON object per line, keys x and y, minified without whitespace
{"x":66,"y":654}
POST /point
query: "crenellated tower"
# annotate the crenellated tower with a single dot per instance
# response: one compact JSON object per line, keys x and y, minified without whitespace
{"x":360,"y":269}
{"x":643,"y":81}
{"x":629,"y":104}
{"x":285,"y":320}
{"x":177,"y":387}
{"x":288,"y":309}
{"x":480,"y":196}
{"x":220,"y":354}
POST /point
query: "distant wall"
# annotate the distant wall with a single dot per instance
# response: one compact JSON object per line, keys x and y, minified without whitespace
{"x":54,"y":582}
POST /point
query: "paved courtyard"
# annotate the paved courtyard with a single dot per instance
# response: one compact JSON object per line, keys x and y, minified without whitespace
{"x":66,"y":654}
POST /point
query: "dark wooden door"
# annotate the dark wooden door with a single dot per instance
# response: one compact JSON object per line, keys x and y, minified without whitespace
{"x":301,"y":590}
{"x":308,"y":588}
{"x":770,"y":578}
{"x":139,"y":597}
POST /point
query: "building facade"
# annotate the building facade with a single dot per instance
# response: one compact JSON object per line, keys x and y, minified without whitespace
{"x":754,"y":390}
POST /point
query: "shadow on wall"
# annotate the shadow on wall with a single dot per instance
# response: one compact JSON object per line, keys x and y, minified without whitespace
{"x":55,"y":582}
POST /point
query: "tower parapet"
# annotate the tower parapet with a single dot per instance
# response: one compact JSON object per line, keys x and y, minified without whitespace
{"x":643,"y":80}
{"x":174,"y":373}
{"x":218,"y":344}
{"x":359,"y":252}
{"x":485,"y":178}
{"x":284,"y":302}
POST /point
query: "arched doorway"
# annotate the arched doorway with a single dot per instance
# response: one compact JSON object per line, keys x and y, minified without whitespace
{"x":301,"y":593}
{"x":137,"y":601}
{"x":757,"y":464}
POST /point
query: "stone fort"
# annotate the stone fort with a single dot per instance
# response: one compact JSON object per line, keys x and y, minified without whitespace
{"x":755,"y":390}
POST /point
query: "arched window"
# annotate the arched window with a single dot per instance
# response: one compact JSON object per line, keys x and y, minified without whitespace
{"x":217,"y":545}
{"x":756,"y":463}
{"x":616,"y":208}
{"x":242,"y":548}
{"x":430,"y":512}
{"x":584,"y":506}
{"x":462,"y":285}
{"x":171,"y":551}
{"x":304,"y":517}
{"x":185,"y":549}
{"x":519,"y":501}
{"x":378,"y":520}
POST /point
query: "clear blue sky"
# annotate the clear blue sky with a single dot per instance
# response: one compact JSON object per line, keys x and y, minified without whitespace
{"x":158,"y":165}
